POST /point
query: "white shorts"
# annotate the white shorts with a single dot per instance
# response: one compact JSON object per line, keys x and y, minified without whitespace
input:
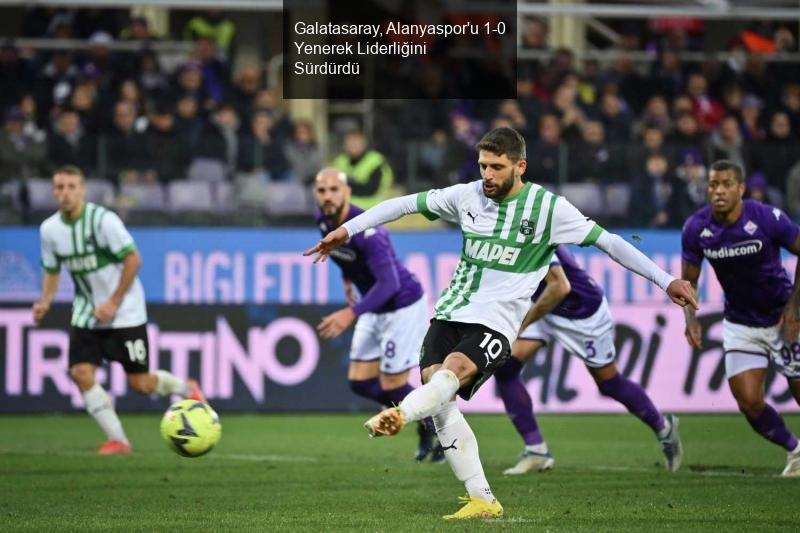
{"x":591,"y":339}
{"x":394,"y":337}
{"x":746,"y":348}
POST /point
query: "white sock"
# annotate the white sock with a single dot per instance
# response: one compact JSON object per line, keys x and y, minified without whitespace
{"x":461,"y":450}
{"x":98,"y":404}
{"x":170,"y":384}
{"x":538,"y":448}
{"x":429,"y":398}
{"x":665,"y":430}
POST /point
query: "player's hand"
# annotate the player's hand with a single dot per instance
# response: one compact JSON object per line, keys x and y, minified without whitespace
{"x":334,"y":324}
{"x":40,"y":310}
{"x":329,"y":243}
{"x":352,"y":299}
{"x":694,"y":334}
{"x":790,"y":323}
{"x":681,"y":292}
{"x":105,"y":311}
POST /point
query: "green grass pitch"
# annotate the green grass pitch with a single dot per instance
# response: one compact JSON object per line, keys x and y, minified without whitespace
{"x":321,"y":473}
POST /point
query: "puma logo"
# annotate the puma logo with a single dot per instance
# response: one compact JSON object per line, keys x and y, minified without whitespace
{"x":451,"y":447}
{"x":473,"y":217}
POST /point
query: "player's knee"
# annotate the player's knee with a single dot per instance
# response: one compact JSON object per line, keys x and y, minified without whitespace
{"x":751,"y":405}
{"x":460,"y":365}
{"x":140,"y":383}
{"x":82,"y":376}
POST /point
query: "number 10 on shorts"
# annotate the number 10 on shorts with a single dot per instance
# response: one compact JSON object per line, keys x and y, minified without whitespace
{"x":491,"y":347}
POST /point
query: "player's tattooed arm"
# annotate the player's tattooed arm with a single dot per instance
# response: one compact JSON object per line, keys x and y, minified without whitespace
{"x":49,"y":289}
{"x":791,"y":313}
{"x":558,"y":287}
{"x":694,"y":331}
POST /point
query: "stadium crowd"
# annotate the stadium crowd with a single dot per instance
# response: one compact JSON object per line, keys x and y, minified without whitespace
{"x":652,"y":127}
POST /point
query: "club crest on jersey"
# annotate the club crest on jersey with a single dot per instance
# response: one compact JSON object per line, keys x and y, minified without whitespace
{"x":706,"y":233}
{"x":525,"y":227}
{"x":750,"y":227}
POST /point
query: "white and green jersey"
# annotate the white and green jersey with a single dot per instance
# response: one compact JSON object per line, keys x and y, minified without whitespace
{"x":92,"y":248}
{"x":507,"y":249}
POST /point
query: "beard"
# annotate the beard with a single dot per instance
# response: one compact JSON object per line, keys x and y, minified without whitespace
{"x":502,"y":189}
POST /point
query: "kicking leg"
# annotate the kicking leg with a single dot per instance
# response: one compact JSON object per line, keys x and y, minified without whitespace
{"x":519,"y":406}
{"x":100,"y":407}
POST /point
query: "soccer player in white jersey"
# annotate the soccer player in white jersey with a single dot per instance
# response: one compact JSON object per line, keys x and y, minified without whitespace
{"x":108,"y":313}
{"x":511,"y":230}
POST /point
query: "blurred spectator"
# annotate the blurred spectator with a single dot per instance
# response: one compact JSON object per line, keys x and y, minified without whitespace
{"x":190,"y":83}
{"x":759,"y":190}
{"x":632,"y":87}
{"x":756,"y":79}
{"x":188,"y":123}
{"x":268,"y":99}
{"x":218,"y":140}
{"x":244,"y":91}
{"x":129,"y":91}
{"x":125,"y":147}
{"x":652,"y":142}
{"x":790,"y":104}
{"x":668,"y":77}
{"x":687,"y":135}
{"x":100,"y":64}
{"x":659,"y":199}
{"x":535,"y":35}
{"x":152,"y":80}
{"x":216,"y":74}
{"x":511,"y":110}
{"x":592,"y":159}
{"x":212,"y":25}
{"x":70,"y":144}
{"x":692,"y":172}
{"x":21,"y":155}
{"x":84,"y":101}
{"x":655,"y":114}
{"x":369,"y":174}
{"x":461,"y":153}
{"x":778,"y":153}
{"x":260,"y":151}
{"x":55,"y":82}
{"x":752,"y":129}
{"x":16,"y":75}
{"x":708,"y":112}
{"x":727,"y":143}
{"x":168,"y":154}
{"x":544,"y":154}
{"x":616,"y":118}
{"x":571,"y":116}
{"x":305,"y":157}
{"x":32,"y":121}
{"x":138,"y":30}
{"x":732,"y":100}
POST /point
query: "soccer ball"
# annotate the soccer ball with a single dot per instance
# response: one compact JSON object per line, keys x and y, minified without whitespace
{"x":191,"y":428}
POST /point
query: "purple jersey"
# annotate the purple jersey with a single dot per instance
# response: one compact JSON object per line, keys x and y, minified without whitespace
{"x":369,"y":261}
{"x":746,"y":258}
{"x":585,"y":297}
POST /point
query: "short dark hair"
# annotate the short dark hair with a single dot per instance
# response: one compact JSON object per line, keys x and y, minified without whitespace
{"x":724,"y":164}
{"x":506,"y":141}
{"x":71,"y":170}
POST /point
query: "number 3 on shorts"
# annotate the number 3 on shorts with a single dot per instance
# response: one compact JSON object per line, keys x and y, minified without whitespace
{"x":136,"y":350}
{"x":491,"y":347}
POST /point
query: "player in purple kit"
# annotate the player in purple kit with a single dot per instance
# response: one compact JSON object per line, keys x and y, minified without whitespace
{"x":742,"y":240}
{"x":392,"y":315}
{"x":571,"y":308}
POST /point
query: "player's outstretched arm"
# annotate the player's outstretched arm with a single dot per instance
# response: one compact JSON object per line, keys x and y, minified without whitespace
{"x":694,"y":331}
{"x":679,"y":290}
{"x":382,"y":213}
{"x":557,"y":288}
{"x":49,"y":289}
